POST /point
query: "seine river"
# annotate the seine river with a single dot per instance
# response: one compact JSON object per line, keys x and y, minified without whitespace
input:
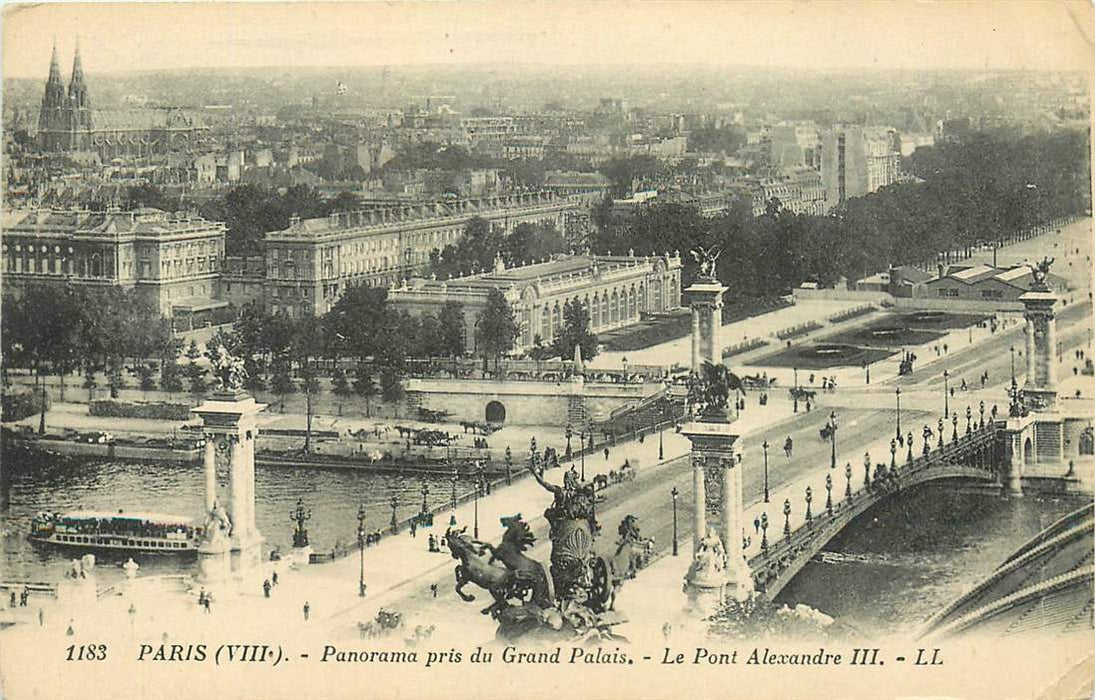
{"x":39,"y":482}
{"x":906,"y":558}
{"x":903,"y":560}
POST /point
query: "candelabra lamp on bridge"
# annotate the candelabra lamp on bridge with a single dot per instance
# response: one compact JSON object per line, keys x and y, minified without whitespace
{"x":848,"y":481}
{"x":361,"y":549}
{"x":829,"y":494}
{"x":893,"y":456}
{"x":230,"y":540}
{"x":509,"y":465}
{"x":909,"y":442}
{"x":867,"y":470}
{"x":939,"y":425}
{"x":764,"y":531}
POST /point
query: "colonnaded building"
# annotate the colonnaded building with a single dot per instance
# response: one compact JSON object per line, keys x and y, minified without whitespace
{"x":312,"y":262}
{"x":615,"y":289}
{"x":173,"y":260}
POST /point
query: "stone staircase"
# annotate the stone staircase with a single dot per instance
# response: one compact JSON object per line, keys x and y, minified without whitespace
{"x":647,"y":413}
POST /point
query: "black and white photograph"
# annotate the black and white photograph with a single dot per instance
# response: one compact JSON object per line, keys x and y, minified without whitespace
{"x":611,"y":350}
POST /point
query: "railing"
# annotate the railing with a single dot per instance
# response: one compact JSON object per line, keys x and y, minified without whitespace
{"x":775,"y":566}
{"x":797,"y":330}
{"x":744,"y":346}
{"x":851,"y":313}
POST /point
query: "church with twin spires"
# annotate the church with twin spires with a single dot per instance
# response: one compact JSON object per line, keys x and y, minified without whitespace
{"x":67,"y":123}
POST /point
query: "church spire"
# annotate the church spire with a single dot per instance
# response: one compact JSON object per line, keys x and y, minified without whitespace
{"x":77,"y":68}
{"x":54,"y":66}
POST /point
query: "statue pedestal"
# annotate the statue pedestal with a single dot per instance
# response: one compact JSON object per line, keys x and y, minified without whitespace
{"x":705,"y":594}
{"x":214,"y":562}
{"x":298,"y":556}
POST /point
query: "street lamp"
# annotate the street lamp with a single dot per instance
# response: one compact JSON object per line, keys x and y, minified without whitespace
{"x":927,"y":437}
{"x":764,"y":446}
{"x":787,"y":518}
{"x":661,"y":434}
{"x":674,"y":493}
{"x":453,"y":476}
{"x":569,"y":434}
{"x":848,"y":481}
{"x":509,"y":465}
{"x":969,"y":419}
{"x":893,"y":456}
{"x":954,"y":427}
{"x":832,"y":437}
{"x":795,"y":392}
{"x":940,"y":426}
{"x":1012,"y":349}
{"x":897,"y":393}
{"x":867,"y":470}
{"x":582,"y":440}
{"x":829,"y":494}
{"x":982,"y":409}
{"x":867,"y":368}
{"x":764,"y":531}
{"x":478,"y":488}
{"x":809,"y":497}
{"x":395,"y":506}
{"x":361,"y":548}
{"x":909,"y":442}
{"x":946,"y":400}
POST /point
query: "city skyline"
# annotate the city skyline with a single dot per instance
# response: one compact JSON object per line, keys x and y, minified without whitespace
{"x":974,"y":36}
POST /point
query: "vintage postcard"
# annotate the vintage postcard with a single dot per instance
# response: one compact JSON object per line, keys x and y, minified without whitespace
{"x":547,"y":349}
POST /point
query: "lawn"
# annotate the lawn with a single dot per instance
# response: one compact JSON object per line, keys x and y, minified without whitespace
{"x":823,"y":356}
{"x":670,"y":326}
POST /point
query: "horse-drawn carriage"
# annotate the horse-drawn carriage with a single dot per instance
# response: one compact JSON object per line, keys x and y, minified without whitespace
{"x":799,"y":393}
{"x":758,"y":381}
{"x":385,"y":622}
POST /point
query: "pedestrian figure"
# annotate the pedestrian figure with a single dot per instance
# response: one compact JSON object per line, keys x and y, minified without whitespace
{"x":756,"y":524}
{"x":274,"y":578}
{"x":41,"y":617}
{"x":23,"y":597}
{"x":433,"y":543}
{"x":414,"y":528}
{"x":433,"y":589}
{"x":12,"y":606}
{"x":205,"y":603}
{"x":606,"y":453}
{"x":307,"y":609}
{"x":266,"y":588}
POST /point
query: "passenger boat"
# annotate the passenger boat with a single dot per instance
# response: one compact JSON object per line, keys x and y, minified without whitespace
{"x":102,"y":530}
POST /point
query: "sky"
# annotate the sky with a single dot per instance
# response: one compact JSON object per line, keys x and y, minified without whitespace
{"x":913,"y":34}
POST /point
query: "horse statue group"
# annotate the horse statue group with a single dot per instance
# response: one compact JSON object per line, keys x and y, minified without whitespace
{"x":578,"y":590}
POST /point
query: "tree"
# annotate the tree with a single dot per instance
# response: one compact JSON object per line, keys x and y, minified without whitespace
{"x":340,"y":386}
{"x":144,"y":375}
{"x":575,"y":332}
{"x":391,"y":385}
{"x":170,"y":378}
{"x":430,"y":342}
{"x":282,"y":381}
{"x":364,"y":386}
{"x":453,"y":330}
{"x":496,"y":329}
{"x":539,"y":351}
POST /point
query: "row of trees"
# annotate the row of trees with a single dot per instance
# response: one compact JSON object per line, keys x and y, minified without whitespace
{"x":58,"y":330}
{"x":983,"y":190}
{"x":482,"y":243}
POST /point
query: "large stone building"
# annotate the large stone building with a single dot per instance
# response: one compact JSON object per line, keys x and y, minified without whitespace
{"x":67,"y":123}
{"x":310,"y":264}
{"x":617,"y":290}
{"x":856,"y":161}
{"x":174,"y":261}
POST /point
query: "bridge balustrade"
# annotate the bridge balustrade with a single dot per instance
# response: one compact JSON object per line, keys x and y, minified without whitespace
{"x":967,"y":456}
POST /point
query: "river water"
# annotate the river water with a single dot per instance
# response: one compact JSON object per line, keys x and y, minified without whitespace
{"x":902,"y":561}
{"x":909,"y":556}
{"x":38,"y":482}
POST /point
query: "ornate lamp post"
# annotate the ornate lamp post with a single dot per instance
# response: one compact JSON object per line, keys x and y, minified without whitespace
{"x":582,"y":440}
{"x":982,"y":409}
{"x":848,"y":481}
{"x":509,"y":465}
{"x":940,"y":426}
{"x":893,"y":456}
{"x":454,"y":475}
{"x":300,"y":515}
{"x":425,"y":491}
{"x":897,"y":393}
{"x":478,"y":488}
{"x":909,"y":442}
{"x":794,"y":393}
{"x":809,"y":498}
{"x":395,"y":506}
{"x":832,"y":438}
{"x":764,"y":531}
{"x":927,"y":437}
{"x":661,"y":434}
{"x":787,"y":518}
{"x":969,"y":419}
{"x":1012,"y":349}
{"x":867,"y":368}
{"x":361,"y":549}
{"x":569,"y":434}
{"x":946,"y":397}
{"x":829,"y":494}
{"x":954,"y":427}
{"x":674,"y":493}
{"x":764,"y":446}
{"x":866,"y":470}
